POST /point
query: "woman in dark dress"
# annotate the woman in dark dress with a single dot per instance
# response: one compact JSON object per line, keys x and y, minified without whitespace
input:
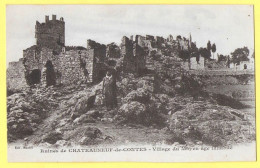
{"x":109,"y":90}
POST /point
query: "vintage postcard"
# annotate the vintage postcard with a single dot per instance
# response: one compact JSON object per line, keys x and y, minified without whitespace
{"x":139,"y":83}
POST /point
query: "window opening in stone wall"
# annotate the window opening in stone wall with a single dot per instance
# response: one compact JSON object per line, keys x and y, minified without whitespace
{"x":35,"y":77}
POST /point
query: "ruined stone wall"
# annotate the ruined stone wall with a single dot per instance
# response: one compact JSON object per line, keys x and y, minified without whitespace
{"x":139,"y":58}
{"x":127,"y":54}
{"x":147,"y":42}
{"x":15,"y":75}
{"x":98,"y":52}
{"x":50,"y":39}
{"x":70,"y":68}
{"x":159,"y":41}
{"x":149,"y":37}
{"x":50,"y":34}
{"x":67,"y":63}
{"x":88,"y":55}
{"x":140,"y":40}
{"x":47,"y":54}
{"x":170,"y":38}
{"x":31,"y":58}
{"x":36,"y":58}
{"x":112,"y":51}
{"x":133,"y":54}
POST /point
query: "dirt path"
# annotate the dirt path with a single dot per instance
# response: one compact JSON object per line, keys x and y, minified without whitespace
{"x":49,"y":123}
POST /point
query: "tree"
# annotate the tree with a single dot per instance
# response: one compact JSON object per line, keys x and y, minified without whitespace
{"x":204,"y":52}
{"x":240,"y":54}
{"x":209,"y":45}
{"x":228,"y":62}
{"x":213,"y":49}
{"x":194,"y":51}
{"x":221,"y":57}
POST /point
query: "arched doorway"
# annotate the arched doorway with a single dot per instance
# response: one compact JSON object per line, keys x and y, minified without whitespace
{"x":50,"y":74}
{"x":35,"y":77}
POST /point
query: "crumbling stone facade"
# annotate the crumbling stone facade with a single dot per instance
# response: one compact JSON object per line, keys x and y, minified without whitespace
{"x":112,"y":51}
{"x":51,"y":33}
{"x":70,"y":66}
{"x":15,"y":75}
{"x":97,"y":51}
{"x":50,"y":62}
{"x":50,"y":39}
{"x":133,"y":54}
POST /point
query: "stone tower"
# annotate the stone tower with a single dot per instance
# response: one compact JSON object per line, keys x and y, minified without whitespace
{"x":50,"y":34}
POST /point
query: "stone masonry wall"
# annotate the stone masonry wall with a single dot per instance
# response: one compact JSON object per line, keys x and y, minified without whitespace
{"x":31,"y":57}
{"x":99,"y":56}
{"x":112,"y":51}
{"x":127,"y":54}
{"x":73,"y":65}
{"x":70,"y":68}
{"x":133,"y":54}
{"x":36,"y":58}
{"x":15,"y":75}
{"x":50,"y":34}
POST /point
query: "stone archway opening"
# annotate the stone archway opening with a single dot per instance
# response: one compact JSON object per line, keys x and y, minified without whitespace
{"x":50,"y":74}
{"x":34,"y":77}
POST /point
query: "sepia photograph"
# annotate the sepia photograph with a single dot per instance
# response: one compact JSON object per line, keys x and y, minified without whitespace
{"x":132,"y":83}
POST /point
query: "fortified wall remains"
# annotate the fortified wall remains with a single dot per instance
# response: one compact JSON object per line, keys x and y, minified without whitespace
{"x":51,"y":62}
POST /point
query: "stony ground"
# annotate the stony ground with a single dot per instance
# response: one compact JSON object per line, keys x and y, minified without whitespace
{"x":57,"y":116}
{"x":165,"y":105}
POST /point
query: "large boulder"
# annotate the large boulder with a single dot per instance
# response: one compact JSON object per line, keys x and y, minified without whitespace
{"x":21,"y":116}
{"x":216,"y":125}
{"x":138,"y":113}
{"x":18,"y":128}
{"x":83,"y":101}
{"x":140,"y":95}
{"x":126,"y":84}
{"x":145,"y":83}
{"x":83,"y":104}
{"x":132,"y":111}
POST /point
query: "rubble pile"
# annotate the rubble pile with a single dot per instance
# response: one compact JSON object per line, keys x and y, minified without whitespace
{"x":161,"y":96}
{"x":214,"y":125}
{"x":28,"y":108}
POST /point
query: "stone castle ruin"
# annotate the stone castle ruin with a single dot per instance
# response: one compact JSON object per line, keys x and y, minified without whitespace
{"x":51,"y":62}
{"x":156,"y":89}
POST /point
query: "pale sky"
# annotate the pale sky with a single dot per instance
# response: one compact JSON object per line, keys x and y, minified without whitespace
{"x":228,"y":26}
